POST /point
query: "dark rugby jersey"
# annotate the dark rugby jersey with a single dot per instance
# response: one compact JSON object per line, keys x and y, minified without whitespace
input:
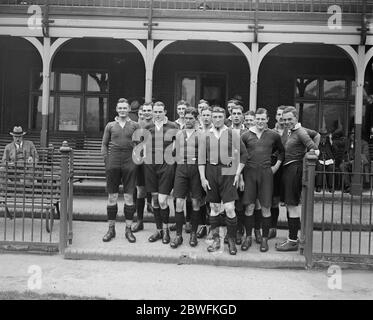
{"x":260,"y":150}
{"x":144,"y":123}
{"x":187,"y":148}
{"x":213,"y":150}
{"x":284,"y":137}
{"x":165,"y":137}
{"x":120,"y":138}
{"x":297,"y":144}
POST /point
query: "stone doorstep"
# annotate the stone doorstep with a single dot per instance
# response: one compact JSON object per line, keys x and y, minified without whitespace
{"x":88,"y":245}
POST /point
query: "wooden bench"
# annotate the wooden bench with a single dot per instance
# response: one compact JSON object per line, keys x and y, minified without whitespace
{"x":88,"y":161}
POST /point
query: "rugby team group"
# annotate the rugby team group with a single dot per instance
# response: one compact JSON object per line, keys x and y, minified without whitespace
{"x":221,"y":169}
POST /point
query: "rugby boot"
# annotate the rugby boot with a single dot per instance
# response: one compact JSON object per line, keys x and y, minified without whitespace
{"x":246,"y":243}
{"x":149,"y":208}
{"x":226,"y":238}
{"x":166,"y":236}
{"x":193,"y":239}
{"x":215,"y":246}
{"x":110,"y":234}
{"x":258,"y":236}
{"x":129,"y":235}
{"x":287,"y":245}
{"x":138,"y":226}
{"x":238,"y":237}
{"x":272,"y":233}
{"x":232,"y":246}
{"x":202,"y":232}
{"x":177,"y":241}
{"x":156,"y":236}
{"x":188,"y":227}
{"x":264,"y":245}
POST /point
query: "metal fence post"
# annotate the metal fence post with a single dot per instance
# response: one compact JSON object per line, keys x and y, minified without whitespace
{"x":70,"y":199}
{"x":311,"y":159}
{"x":65,"y":155}
{"x":303,"y":219}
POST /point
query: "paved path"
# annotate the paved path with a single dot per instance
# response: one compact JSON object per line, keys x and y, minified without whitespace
{"x":131,"y":280}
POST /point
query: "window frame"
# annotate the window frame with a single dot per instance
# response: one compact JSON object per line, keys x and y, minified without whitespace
{"x":320,"y":100}
{"x":56,"y":93}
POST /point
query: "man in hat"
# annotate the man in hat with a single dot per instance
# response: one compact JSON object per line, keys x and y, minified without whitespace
{"x":20,"y":151}
{"x":325,"y":164}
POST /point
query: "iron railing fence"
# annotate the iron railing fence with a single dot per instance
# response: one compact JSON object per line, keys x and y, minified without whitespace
{"x":33,"y":193}
{"x":316,"y":6}
{"x":337,"y":215}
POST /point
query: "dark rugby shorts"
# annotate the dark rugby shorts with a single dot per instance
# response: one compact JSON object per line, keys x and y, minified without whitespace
{"x":258,"y":185}
{"x":140,"y":182}
{"x":277,"y":183}
{"x":238,"y":204}
{"x":159,"y":178}
{"x":222,"y":188}
{"x":292,"y":183}
{"x":120,"y":169}
{"x":187,"y":182}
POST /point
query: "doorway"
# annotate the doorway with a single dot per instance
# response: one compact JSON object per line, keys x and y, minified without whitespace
{"x":193,"y":86}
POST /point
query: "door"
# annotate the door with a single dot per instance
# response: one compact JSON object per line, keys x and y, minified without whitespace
{"x":192,"y":87}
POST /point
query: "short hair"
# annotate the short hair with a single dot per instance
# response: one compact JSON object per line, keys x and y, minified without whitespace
{"x":232,"y":101}
{"x":147,"y":104}
{"x":182,"y":102}
{"x":238,"y":106}
{"x":292,"y":110}
{"x":209,"y":108}
{"x":250,"y":113}
{"x":159,"y":104}
{"x":282,"y":107}
{"x":218,"y":110}
{"x":122,"y":100}
{"x":192,"y":111}
{"x":203,"y":101}
{"x":261,"y":111}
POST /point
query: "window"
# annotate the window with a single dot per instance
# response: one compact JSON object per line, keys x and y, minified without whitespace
{"x":193,"y":86}
{"x":324,"y":102}
{"x":78,"y":100}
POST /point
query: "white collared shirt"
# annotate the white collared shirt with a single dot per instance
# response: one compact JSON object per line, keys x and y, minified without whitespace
{"x":242,"y":127}
{"x":181,"y":124}
{"x":122,"y":124}
{"x":159,"y":125}
{"x":253,"y":129}
{"x":217,"y":133}
{"x":189,"y":133}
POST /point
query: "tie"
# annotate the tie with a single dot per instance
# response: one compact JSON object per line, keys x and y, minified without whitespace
{"x":289,"y":133}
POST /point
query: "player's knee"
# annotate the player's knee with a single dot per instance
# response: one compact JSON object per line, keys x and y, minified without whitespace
{"x":155,"y":200}
{"x":196,"y":203}
{"x":215,"y":209}
{"x":266,"y":212}
{"x":112,"y":199}
{"x":128,"y":199}
{"x":162,"y":200}
{"x":229,"y":210}
{"x":141,"y":193}
{"x":180,"y":204}
{"x":249,"y":210}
